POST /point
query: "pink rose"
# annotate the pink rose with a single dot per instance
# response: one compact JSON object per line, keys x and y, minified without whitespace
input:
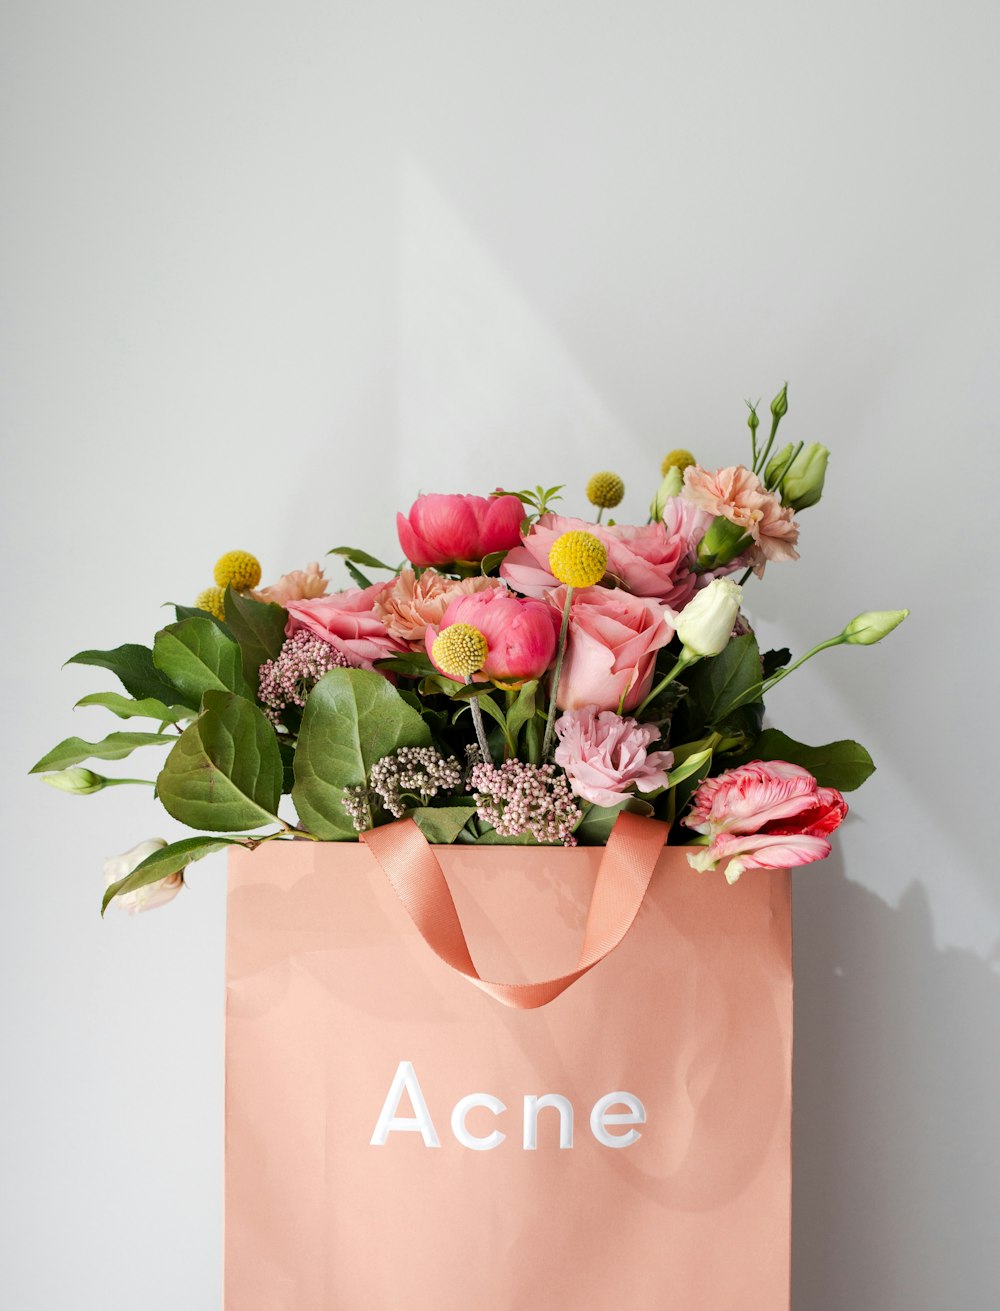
{"x":611,"y":646}
{"x":348,"y":621}
{"x":442,"y":529}
{"x":605,"y":754}
{"x":410,"y":604}
{"x":520,"y":634}
{"x":764,"y":815}
{"x":739,"y":496}
{"x":648,"y":560}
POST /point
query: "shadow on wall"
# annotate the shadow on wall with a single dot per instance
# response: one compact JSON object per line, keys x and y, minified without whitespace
{"x":896,"y":1127}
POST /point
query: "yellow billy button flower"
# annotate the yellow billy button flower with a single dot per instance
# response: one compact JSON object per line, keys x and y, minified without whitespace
{"x":237,"y":569}
{"x":212,"y":599}
{"x":679,"y":460}
{"x":460,"y":650}
{"x":578,"y":558}
{"x":605,"y":490}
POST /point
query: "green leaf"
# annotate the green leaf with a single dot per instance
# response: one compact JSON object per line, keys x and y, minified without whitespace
{"x":715,"y":685}
{"x":353,"y":717}
{"x":843,"y":765}
{"x":258,"y":627}
{"x":116,"y":746}
{"x":125,"y":708}
{"x":168,"y":860}
{"x":193,"y":612}
{"x":415,"y":664}
{"x":225,"y":771}
{"x":492,"y":562}
{"x":357,"y":577}
{"x":522,"y":710}
{"x":598,"y":821}
{"x":361,"y":557}
{"x":690,"y":766}
{"x":198,"y":657}
{"x":133,"y":666}
{"x":441,"y":823}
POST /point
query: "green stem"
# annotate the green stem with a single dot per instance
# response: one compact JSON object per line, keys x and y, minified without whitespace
{"x":600,"y":511}
{"x":550,"y":724}
{"x":762,"y":463}
{"x":289,"y":831}
{"x":754,"y":694}
{"x":477,"y":719}
{"x":686,"y":658}
{"x":118,"y":782}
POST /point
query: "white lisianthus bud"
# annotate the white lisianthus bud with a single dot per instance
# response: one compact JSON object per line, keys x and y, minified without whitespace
{"x":868,"y":628}
{"x":81,"y":782}
{"x":672,"y":485}
{"x":706,"y":622}
{"x":153,"y":894}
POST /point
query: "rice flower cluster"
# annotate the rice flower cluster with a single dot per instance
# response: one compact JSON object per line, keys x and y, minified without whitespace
{"x":421,"y":772}
{"x":517,"y":798}
{"x":301,"y":663}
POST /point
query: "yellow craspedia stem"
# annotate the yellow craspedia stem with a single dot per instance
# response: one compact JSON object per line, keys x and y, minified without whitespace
{"x":578,"y":558}
{"x":680,"y":460}
{"x":237,"y":569}
{"x":212,"y":599}
{"x":460,"y":650}
{"x":605,"y":490}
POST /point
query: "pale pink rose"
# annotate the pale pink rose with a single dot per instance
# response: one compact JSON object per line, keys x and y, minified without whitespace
{"x":605,"y":754}
{"x":647,"y":560}
{"x":349,"y":621}
{"x":409,"y":605}
{"x":520,"y":633}
{"x":441,"y":529}
{"x":300,"y":585}
{"x":611,"y":646}
{"x":766,"y":814}
{"x":738,"y":495}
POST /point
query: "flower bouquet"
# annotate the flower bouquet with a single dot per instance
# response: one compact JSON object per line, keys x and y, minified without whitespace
{"x":521,"y":677}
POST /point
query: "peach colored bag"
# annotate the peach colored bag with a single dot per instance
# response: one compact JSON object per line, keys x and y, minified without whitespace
{"x":401,"y":1133}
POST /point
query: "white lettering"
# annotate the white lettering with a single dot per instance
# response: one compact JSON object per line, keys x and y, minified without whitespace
{"x":532,"y":1105}
{"x":462,"y":1109}
{"x":600,"y":1118}
{"x":405,"y":1080}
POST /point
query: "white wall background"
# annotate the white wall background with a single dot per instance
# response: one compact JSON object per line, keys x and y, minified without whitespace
{"x":269,"y":270}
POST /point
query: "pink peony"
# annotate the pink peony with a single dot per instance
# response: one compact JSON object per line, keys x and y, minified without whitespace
{"x":764,"y":815}
{"x":520,"y":634}
{"x":648,"y":560}
{"x":739,"y":496}
{"x":349,"y":621}
{"x":442,"y":529}
{"x":605,"y":754}
{"x":300,"y":585}
{"x":410,"y":604}
{"x":611,"y":646}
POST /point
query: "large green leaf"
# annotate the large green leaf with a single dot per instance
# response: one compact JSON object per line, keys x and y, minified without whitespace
{"x":353,"y":718}
{"x":720,"y":683}
{"x":167,"y":861}
{"x":358,"y":556}
{"x":195,"y":612}
{"x":225,"y":771}
{"x":125,"y":708}
{"x":258,"y":626}
{"x":843,"y":765}
{"x":197,"y":657}
{"x":116,"y":746}
{"x":133,"y":666}
{"x":595,"y":827}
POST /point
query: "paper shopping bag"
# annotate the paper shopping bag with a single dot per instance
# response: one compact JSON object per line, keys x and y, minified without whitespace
{"x":506,"y":1078}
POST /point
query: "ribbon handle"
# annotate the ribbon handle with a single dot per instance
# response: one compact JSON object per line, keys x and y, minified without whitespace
{"x":409,"y":863}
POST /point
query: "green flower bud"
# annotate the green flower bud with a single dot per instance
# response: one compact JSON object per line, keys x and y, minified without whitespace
{"x":868,"y":628}
{"x":672,"y":485}
{"x":779,"y":406}
{"x":753,"y":423}
{"x":82,"y":782}
{"x":722,"y":543}
{"x":801,"y":483}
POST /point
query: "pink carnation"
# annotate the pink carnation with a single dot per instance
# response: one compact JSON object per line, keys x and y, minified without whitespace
{"x":764,"y":815}
{"x":605,"y":754}
{"x":349,"y":621}
{"x":300,"y":585}
{"x":647,"y":560}
{"x":410,"y":605}
{"x":739,"y":496}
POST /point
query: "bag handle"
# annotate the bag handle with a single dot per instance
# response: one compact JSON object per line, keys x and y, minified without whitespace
{"x":413,"y":870}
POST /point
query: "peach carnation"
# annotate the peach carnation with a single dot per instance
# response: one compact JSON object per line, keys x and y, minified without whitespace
{"x":739,"y":496}
{"x":300,"y":585}
{"x":410,"y":605}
